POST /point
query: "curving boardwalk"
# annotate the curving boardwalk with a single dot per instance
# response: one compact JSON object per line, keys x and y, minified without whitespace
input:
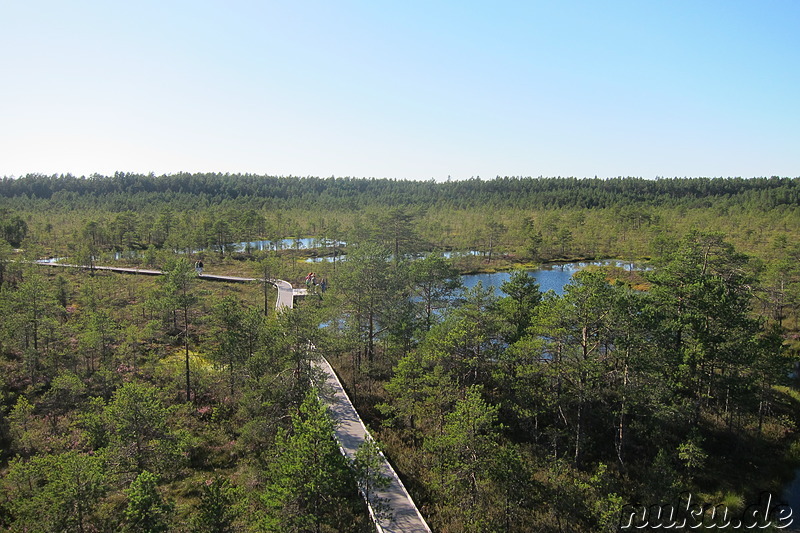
{"x":403,"y":515}
{"x":285,"y":294}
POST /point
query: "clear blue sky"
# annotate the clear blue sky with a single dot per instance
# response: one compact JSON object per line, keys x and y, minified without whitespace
{"x":412,"y":89}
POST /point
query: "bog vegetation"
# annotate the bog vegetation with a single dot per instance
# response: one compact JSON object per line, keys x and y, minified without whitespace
{"x":177,"y":404}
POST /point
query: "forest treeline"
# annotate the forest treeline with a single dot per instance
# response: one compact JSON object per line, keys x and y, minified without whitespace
{"x":132,"y":191}
{"x":522,"y":219}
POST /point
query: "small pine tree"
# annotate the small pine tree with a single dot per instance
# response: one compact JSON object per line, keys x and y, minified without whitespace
{"x":217,"y":510}
{"x":147,"y":512}
{"x":309,"y":476}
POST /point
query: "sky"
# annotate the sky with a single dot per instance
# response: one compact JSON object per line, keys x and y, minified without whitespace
{"x":407,"y":90}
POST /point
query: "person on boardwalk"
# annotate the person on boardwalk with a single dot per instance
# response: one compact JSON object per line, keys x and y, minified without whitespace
{"x":198,"y":267}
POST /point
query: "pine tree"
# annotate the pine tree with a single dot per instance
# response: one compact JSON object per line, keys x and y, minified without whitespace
{"x":217,"y":510}
{"x":147,"y":512}
{"x":309,"y":477}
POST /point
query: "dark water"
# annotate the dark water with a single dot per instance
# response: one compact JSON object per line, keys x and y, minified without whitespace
{"x":791,"y":496}
{"x":791,"y":493}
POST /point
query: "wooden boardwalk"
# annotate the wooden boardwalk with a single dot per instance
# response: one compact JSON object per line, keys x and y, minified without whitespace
{"x":285,"y":294}
{"x":402,"y":515}
{"x":285,"y":290}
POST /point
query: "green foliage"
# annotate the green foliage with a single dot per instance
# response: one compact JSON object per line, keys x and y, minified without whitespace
{"x":32,"y":308}
{"x":522,"y":297}
{"x":309,"y":478}
{"x":5,"y":262}
{"x":435,"y":283}
{"x":369,"y":288}
{"x":177,"y":283}
{"x":93,"y":423}
{"x":147,"y":512}
{"x":691,"y":454}
{"x":25,"y":427}
{"x":136,"y":189}
{"x":463,"y":456}
{"x":140,"y":437}
{"x":420,"y":394}
{"x":541,"y":219}
{"x":237,"y":337}
{"x":705,"y":291}
{"x":13,"y":229}
{"x":67,"y":391}
{"x":368,"y":471}
{"x":603,"y":374}
{"x":54,"y":492}
{"x":217,"y":510}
